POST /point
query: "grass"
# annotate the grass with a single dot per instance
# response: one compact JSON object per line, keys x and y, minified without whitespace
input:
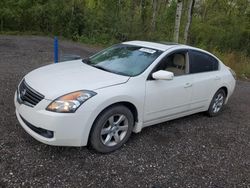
{"x":237,"y":61}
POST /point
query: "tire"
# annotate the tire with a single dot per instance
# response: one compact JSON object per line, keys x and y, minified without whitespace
{"x":111,"y":129}
{"x":217,"y":103}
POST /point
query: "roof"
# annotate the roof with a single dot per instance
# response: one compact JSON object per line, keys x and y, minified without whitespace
{"x":159,"y":46}
{"x":163,"y":46}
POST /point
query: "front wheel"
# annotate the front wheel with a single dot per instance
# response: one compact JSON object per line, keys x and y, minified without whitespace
{"x":217,"y":103}
{"x":112,"y":129}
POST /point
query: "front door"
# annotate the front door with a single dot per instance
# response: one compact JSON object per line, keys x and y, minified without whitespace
{"x":166,"y":98}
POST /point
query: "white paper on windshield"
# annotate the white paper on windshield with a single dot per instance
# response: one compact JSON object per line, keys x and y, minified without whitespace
{"x":147,"y":50}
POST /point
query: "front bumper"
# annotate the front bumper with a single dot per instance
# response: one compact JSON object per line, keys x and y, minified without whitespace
{"x":61,"y":129}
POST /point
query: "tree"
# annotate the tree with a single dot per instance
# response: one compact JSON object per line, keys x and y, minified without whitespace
{"x":210,"y":24}
{"x":153,"y":23}
{"x":177,"y":20}
{"x":189,"y":20}
{"x":143,"y":13}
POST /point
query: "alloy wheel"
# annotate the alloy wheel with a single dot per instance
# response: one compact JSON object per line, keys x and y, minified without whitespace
{"x":218,"y":103}
{"x":114,"y":130}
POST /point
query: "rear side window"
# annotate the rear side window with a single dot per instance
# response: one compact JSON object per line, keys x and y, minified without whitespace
{"x":202,"y":62}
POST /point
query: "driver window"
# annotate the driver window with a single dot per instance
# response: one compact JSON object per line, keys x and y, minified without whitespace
{"x":175,"y":63}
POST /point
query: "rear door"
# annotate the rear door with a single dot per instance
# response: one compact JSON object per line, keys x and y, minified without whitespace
{"x":206,"y":78}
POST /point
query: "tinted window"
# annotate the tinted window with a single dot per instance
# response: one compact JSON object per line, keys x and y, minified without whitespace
{"x":201,"y":62}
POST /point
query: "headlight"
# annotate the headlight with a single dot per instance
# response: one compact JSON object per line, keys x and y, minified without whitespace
{"x":70,"y":102}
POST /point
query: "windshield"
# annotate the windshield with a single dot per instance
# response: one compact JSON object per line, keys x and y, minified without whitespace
{"x":124,"y":59}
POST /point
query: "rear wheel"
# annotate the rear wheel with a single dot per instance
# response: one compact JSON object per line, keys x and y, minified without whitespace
{"x":112,"y":129}
{"x":217,"y":103}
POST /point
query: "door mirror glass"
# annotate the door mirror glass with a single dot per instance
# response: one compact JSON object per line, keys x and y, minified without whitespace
{"x":163,"y":75}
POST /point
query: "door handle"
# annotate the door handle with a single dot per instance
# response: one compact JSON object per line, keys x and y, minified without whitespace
{"x":187,"y":85}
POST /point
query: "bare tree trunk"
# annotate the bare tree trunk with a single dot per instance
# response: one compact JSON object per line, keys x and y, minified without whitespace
{"x":1,"y":24}
{"x":143,"y":15}
{"x":153,"y":23}
{"x":189,"y":20}
{"x":167,"y":2}
{"x":208,"y":6}
{"x":72,"y":10}
{"x":132,"y":15}
{"x":177,"y":20}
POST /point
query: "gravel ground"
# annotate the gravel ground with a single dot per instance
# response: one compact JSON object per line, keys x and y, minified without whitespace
{"x":195,"y":151}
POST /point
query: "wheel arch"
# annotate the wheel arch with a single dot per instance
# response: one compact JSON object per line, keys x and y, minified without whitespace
{"x":225,"y":89}
{"x":127,"y":104}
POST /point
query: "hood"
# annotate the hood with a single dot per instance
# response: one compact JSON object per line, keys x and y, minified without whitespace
{"x":58,"y":79}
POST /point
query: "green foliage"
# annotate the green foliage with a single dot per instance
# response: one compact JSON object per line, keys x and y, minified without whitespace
{"x":238,"y":61}
{"x":223,"y":25}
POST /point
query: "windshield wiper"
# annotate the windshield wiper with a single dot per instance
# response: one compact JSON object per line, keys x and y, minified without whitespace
{"x":86,"y":60}
{"x":102,"y":68}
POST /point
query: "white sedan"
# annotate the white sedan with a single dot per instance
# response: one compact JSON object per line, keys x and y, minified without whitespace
{"x":102,"y":99}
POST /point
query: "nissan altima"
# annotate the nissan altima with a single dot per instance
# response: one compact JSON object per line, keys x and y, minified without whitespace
{"x":100,"y":100}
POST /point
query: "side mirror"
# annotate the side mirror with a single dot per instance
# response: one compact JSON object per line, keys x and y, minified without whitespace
{"x":163,"y":75}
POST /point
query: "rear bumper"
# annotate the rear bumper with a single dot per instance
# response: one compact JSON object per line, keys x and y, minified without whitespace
{"x":231,"y":88}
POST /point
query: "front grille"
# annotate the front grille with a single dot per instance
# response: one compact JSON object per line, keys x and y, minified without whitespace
{"x":28,"y":96}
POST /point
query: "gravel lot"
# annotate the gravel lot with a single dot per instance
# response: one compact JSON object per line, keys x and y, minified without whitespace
{"x":195,"y":151}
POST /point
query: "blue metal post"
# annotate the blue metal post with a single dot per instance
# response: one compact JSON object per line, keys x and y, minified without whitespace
{"x":55,"y":50}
